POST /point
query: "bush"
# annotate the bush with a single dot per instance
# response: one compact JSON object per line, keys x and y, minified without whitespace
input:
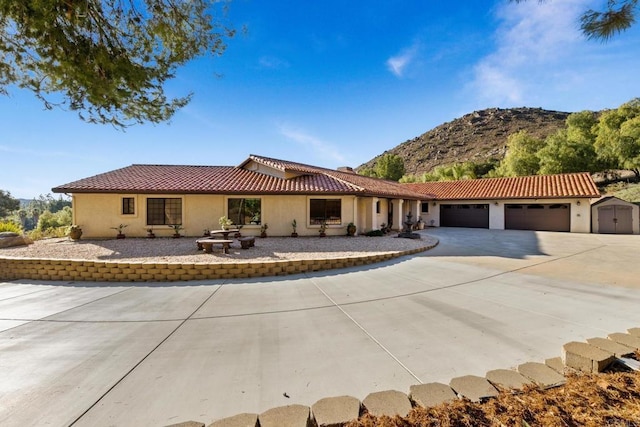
{"x":48,"y":220}
{"x":10,"y":226}
{"x":374,"y":233}
{"x":38,"y":234}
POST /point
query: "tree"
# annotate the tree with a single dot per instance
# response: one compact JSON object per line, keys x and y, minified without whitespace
{"x":618,"y":137}
{"x":564,"y":155}
{"x":522,"y":155}
{"x":390,"y":166}
{"x":368,"y":172}
{"x":106,"y":59}
{"x":571,"y":149}
{"x":614,"y":17}
{"x":8,"y":204}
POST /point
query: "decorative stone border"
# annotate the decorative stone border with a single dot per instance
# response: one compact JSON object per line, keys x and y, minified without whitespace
{"x":593,"y":356}
{"x":111,"y":271}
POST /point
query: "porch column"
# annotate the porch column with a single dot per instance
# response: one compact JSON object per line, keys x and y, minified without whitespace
{"x":416,"y":211}
{"x":374,"y":213}
{"x":397,"y":214}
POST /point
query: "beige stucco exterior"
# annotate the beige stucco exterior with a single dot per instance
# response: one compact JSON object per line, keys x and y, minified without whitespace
{"x":97,"y":213}
{"x":580,"y":212}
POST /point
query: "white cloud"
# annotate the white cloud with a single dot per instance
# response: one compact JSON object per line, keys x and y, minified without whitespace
{"x":397,"y":64}
{"x":273,"y":63}
{"x":314,"y":144}
{"x":538,"y":46}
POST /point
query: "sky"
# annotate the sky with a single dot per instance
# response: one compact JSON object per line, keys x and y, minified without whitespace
{"x":335,"y":83}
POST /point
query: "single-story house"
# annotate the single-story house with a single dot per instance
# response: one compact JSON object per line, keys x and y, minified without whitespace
{"x":541,"y":202}
{"x":611,"y":215}
{"x":259,"y":192}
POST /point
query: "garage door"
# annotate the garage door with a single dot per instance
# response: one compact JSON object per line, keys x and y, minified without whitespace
{"x":472,"y":216}
{"x":543,"y":217}
{"x":615,"y":219}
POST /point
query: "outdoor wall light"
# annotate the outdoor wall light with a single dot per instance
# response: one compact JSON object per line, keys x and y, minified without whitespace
{"x":435,"y":203}
{"x":496,"y":203}
{"x":578,"y":203}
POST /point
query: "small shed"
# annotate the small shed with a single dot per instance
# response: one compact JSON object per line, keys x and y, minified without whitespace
{"x":611,"y":215}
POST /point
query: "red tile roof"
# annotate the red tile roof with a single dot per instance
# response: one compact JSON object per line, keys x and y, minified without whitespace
{"x":173,"y":179}
{"x":521,"y":187}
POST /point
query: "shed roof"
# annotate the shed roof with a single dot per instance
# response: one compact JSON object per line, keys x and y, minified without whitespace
{"x":520,"y":187}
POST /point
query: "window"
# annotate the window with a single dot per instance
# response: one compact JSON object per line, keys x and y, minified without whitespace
{"x":325,"y":210}
{"x":244,"y":211}
{"x":378,"y":207}
{"x":128,"y":206}
{"x":424,"y":207}
{"x":164,"y":211}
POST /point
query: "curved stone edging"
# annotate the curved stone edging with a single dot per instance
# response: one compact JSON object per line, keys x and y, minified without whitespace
{"x":113,"y":271}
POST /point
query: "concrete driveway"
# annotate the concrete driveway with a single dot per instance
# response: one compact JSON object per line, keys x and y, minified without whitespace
{"x":89,"y":354}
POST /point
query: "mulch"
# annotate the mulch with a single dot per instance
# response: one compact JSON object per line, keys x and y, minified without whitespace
{"x":589,"y":400}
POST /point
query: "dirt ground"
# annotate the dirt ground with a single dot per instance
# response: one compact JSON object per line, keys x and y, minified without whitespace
{"x":594,"y":400}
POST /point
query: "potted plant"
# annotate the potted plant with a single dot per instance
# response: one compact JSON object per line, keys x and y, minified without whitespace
{"x":294,"y":224}
{"x":263,"y":230}
{"x":351,"y":229}
{"x":176,"y":230}
{"x":150,"y":234}
{"x":75,"y":232}
{"x":225,"y":222}
{"x":323,"y":229}
{"x":120,"y":230}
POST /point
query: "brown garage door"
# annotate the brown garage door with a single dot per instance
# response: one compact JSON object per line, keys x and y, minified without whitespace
{"x":615,"y":219}
{"x":542,"y":217}
{"x":472,"y":216}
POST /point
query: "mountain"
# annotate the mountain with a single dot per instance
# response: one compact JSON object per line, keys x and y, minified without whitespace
{"x":478,"y":137}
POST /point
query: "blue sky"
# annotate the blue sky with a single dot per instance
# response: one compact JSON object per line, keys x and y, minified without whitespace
{"x":335,"y":83}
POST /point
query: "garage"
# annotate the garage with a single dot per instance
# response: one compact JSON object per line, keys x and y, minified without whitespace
{"x":611,"y":215}
{"x":464,"y":215}
{"x":538,"y":216}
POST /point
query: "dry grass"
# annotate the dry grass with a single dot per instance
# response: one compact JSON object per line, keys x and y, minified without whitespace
{"x":595,"y":400}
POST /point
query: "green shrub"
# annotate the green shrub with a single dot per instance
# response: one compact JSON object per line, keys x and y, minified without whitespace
{"x":38,"y":234}
{"x":10,"y":226}
{"x":374,"y":233}
{"x":48,"y":220}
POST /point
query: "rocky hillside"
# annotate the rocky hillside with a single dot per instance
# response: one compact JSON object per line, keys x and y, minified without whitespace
{"x":478,"y":137}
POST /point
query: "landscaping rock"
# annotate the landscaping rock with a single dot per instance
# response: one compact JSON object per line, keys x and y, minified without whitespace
{"x":474,"y":388}
{"x":390,"y":403}
{"x":10,"y":239}
{"x":286,"y":416}
{"x":556,"y":364}
{"x":507,"y":379}
{"x":626,"y":339}
{"x":240,"y":420}
{"x":431,"y":394}
{"x":188,"y":424}
{"x":336,"y":411}
{"x":634,"y":331}
{"x":541,"y":374}
{"x":585,"y":357}
{"x":610,"y":346}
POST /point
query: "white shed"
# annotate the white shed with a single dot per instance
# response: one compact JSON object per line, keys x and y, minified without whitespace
{"x":611,"y":215}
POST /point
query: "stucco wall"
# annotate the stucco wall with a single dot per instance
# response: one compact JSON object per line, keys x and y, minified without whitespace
{"x":580,"y":214}
{"x":97,"y":213}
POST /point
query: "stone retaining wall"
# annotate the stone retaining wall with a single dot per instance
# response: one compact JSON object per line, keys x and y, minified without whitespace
{"x":112,"y":271}
{"x":593,"y":356}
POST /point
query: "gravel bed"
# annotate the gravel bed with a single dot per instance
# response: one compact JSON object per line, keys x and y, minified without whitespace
{"x":184,"y":250}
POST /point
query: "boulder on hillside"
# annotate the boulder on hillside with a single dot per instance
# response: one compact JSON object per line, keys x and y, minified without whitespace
{"x":9,"y":239}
